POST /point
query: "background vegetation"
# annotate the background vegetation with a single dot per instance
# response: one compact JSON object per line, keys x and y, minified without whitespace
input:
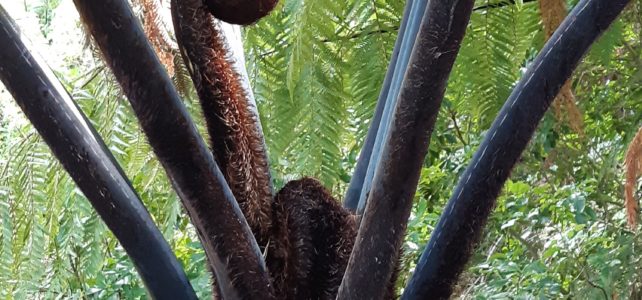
{"x":559,"y":229}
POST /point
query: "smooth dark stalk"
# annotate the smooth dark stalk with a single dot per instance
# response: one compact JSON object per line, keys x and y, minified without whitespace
{"x":408,"y":41}
{"x":84,"y":155}
{"x":384,"y":221}
{"x":229,"y":245}
{"x":351,"y":199}
{"x":465,"y":215}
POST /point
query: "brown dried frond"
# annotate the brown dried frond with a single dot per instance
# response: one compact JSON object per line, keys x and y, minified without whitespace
{"x":553,"y":13}
{"x":154,"y":29}
{"x":573,"y":113}
{"x":557,"y":107}
{"x":236,"y":141}
{"x":633,"y":163}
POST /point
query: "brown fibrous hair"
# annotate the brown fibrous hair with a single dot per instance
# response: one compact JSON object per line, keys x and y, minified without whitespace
{"x":236,"y":141}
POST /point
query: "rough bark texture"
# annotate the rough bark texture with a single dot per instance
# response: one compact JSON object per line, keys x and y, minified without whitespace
{"x":308,"y":235}
{"x":236,"y":142}
{"x":241,"y":12}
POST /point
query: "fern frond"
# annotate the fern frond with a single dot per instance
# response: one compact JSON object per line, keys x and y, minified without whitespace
{"x":498,"y":44}
{"x":317,"y":68}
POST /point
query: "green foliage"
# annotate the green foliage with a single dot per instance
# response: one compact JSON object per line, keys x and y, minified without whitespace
{"x":498,"y":44}
{"x":317,"y":68}
{"x":53,"y":243}
{"x":558,"y":230}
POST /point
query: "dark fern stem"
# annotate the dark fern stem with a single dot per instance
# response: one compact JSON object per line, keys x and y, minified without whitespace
{"x":237,"y":145}
{"x":306,"y":234}
{"x":229,"y":244}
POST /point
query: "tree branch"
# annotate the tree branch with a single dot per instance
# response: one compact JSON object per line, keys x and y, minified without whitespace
{"x":453,"y":117}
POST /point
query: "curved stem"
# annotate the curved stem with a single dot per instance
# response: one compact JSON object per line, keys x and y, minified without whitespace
{"x":237,"y":143}
{"x":226,"y":237}
{"x":84,"y":155}
{"x":466,"y":213}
